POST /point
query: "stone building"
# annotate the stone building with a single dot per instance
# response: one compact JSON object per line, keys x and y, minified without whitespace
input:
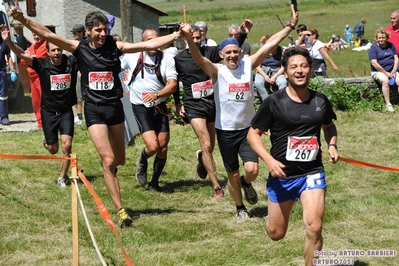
{"x":63,"y":14}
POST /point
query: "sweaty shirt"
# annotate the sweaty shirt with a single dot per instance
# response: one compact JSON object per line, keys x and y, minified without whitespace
{"x":100,"y":69}
{"x":286,"y":119}
{"x":58,"y":83}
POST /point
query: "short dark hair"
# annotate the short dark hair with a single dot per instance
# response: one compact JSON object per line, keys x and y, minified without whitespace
{"x":301,"y":27}
{"x":195,"y":28}
{"x":295,"y":51}
{"x":94,"y":18}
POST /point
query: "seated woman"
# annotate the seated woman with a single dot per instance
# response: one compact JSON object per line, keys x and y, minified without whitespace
{"x":384,"y":64}
{"x":319,"y":52}
{"x":270,"y":74}
{"x":336,"y":43}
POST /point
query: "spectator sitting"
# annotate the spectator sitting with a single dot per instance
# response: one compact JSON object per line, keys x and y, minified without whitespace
{"x":384,"y":64}
{"x":270,"y":74}
{"x":336,"y":43}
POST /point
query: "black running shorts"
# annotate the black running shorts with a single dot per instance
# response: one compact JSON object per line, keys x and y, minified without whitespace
{"x":234,"y":143}
{"x":151,"y":118}
{"x":54,"y":122}
{"x":104,"y":113}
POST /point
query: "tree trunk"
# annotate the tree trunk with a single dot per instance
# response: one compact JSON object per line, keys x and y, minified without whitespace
{"x":126,"y":20}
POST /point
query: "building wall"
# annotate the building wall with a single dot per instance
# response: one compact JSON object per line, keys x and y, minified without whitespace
{"x":63,"y":14}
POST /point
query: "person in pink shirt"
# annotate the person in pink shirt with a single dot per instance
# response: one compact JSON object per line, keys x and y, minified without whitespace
{"x":394,"y":30}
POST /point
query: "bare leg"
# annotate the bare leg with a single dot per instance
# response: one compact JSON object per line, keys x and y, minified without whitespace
{"x":206,"y":135}
{"x":278,"y":218}
{"x":109,"y":142}
{"x":66,"y":144}
{"x":313,"y":212}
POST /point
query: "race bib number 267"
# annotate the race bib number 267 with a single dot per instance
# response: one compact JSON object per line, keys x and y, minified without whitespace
{"x":302,"y":149}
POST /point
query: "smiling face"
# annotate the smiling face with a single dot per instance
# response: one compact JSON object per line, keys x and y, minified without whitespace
{"x":298,"y":72}
{"x":381,"y":39}
{"x":97,"y":35}
{"x":395,"y":19}
{"x":230,"y":55}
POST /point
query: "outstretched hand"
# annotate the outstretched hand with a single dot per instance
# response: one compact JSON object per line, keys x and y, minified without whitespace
{"x":294,"y":16}
{"x":246,"y":26}
{"x":5,"y":33}
{"x":186,"y":29}
{"x":15,"y":11}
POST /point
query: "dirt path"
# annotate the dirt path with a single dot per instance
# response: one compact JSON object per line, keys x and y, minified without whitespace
{"x":23,"y":122}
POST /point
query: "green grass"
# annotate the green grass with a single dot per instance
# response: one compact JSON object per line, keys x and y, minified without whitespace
{"x":328,"y":16}
{"x":186,"y":225}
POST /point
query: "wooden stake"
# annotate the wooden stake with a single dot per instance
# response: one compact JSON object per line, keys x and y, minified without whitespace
{"x":74,"y":195}
{"x":184,"y":14}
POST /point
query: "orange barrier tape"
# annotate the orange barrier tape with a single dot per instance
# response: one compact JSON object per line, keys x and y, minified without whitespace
{"x":365,"y":164}
{"x":368,"y":165}
{"x":34,"y":157}
{"x":106,"y":216}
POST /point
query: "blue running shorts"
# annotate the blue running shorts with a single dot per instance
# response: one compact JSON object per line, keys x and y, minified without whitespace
{"x":282,"y":189}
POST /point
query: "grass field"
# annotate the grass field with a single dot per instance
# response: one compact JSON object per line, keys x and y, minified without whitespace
{"x":328,"y":16}
{"x":186,"y":225}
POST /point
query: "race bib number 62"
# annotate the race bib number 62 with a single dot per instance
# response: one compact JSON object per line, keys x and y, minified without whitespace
{"x":100,"y":81}
{"x":302,"y":149}
{"x":239,"y":91}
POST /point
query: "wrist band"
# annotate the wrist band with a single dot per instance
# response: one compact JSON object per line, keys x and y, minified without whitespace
{"x":175,"y":37}
{"x":291,"y":26}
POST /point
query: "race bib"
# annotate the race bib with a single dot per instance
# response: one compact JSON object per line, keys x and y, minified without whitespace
{"x":302,"y":149}
{"x":239,"y":91}
{"x":202,"y":89}
{"x":100,"y":81}
{"x":60,"y":82}
{"x":150,"y":104}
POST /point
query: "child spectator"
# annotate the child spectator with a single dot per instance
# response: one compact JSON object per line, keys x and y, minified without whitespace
{"x":348,"y":34}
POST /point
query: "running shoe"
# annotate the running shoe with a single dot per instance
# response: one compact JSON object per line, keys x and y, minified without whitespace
{"x":61,"y":182}
{"x":154,"y":187}
{"x":201,"y":171}
{"x":124,"y":219}
{"x":5,"y":121}
{"x":78,"y":121}
{"x":218,"y":192}
{"x":249,"y":192}
{"x":242,"y":214}
{"x":141,"y":172}
{"x":389,"y":108}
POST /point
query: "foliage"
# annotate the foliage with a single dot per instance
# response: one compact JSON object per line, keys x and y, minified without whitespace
{"x":348,"y":97}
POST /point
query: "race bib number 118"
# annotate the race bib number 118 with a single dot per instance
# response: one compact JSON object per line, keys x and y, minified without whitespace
{"x":100,"y":81}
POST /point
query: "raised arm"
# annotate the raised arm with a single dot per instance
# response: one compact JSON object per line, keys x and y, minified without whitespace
{"x":207,"y":66}
{"x":152,"y":44}
{"x":5,"y":34}
{"x":274,"y":40}
{"x":43,"y":32}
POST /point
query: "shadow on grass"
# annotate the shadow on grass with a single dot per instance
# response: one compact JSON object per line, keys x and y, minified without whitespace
{"x":136,"y":214}
{"x":26,"y":107}
{"x":259,"y":212}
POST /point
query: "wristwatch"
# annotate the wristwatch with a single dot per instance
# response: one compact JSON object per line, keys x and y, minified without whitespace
{"x":157,"y":95}
{"x":333,"y":145}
